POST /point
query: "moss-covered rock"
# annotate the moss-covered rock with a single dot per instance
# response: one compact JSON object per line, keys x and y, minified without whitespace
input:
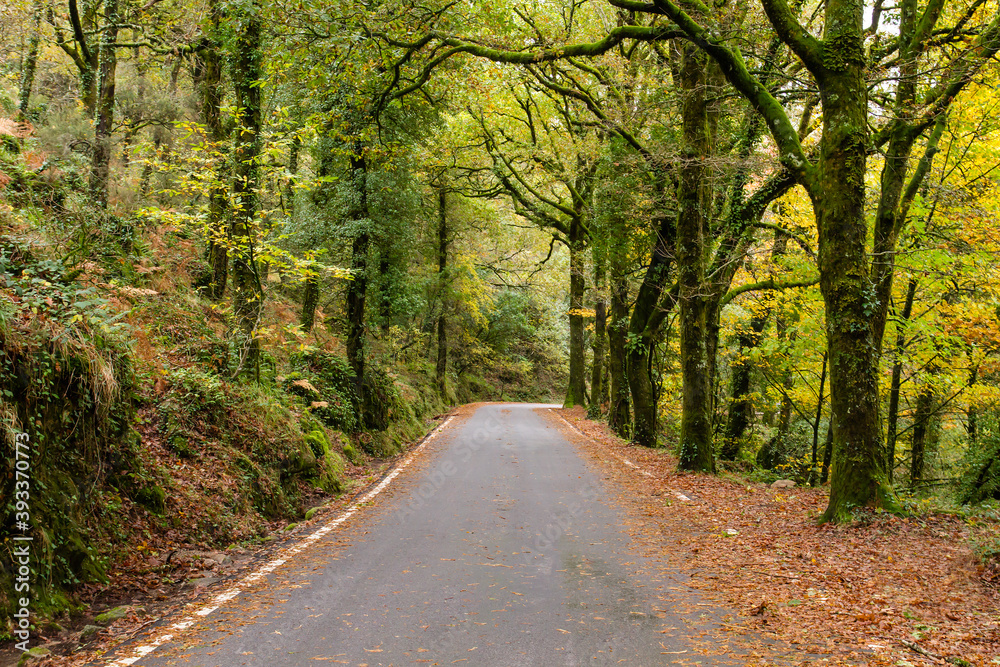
{"x":153,"y":498}
{"x":318,"y":442}
{"x":34,"y":656}
{"x":110,"y":616}
{"x":352,"y":454}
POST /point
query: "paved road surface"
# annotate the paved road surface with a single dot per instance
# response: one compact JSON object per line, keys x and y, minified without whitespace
{"x":495,"y":547}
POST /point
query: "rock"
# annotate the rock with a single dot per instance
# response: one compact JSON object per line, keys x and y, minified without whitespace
{"x":290,"y":527}
{"x":783,"y":484}
{"x":33,"y":656}
{"x":312,"y":512}
{"x":218,"y":558}
{"x":110,"y":616}
{"x":204,"y":581}
{"x":89,"y":632}
{"x":732,"y":531}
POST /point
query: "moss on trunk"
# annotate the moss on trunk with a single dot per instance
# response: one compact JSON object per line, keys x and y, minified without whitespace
{"x":576,"y":391}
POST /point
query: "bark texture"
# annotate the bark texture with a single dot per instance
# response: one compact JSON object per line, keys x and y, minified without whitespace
{"x":619,"y":414}
{"x":694,"y":204}
{"x":247,"y":290}
{"x":892,"y":419}
{"x":576,"y":392}
{"x":100,"y":169}
{"x":441,"y":367}
{"x":357,"y":288}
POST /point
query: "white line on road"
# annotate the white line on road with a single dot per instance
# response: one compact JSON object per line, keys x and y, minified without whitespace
{"x":624,"y":460}
{"x":234,"y":591}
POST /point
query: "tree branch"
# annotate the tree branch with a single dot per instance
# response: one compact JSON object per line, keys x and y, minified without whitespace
{"x":769,"y":284}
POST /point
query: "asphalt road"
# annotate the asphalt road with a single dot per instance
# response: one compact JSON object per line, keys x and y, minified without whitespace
{"x":496,"y":547}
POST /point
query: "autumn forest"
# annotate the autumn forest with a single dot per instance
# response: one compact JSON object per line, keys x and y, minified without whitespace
{"x":249,"y":250}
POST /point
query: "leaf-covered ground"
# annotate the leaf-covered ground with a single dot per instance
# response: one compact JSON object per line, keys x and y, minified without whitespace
{"x":884,"y":591}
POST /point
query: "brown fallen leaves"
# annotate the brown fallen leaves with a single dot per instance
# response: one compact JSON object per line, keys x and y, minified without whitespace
{"x":887,"y":591}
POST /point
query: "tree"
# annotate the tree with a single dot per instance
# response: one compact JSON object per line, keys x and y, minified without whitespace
{"x":248,"y":292}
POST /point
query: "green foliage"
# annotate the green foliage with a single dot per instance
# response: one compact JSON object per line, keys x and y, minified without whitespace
{"x":352,"y":454}
{"x":327,"y":383}
{"x":44,"y":289}
{"x":981,"y":479}
{"x":382,"y":402}
{"x":67,"y":384}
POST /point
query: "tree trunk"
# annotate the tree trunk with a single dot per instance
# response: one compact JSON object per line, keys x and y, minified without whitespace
{"x":100,"y":169}
{"x":693,"y":201}
{"x":441,"y":368}
{"x":576,"y":392}
{"x":897,"y":379}
{"x":618,"y":405}
{"x":247,"y":73}
{"x":211,"y":94}
{"x":972,"y":414}
{"x":30,"y":65}
{"x":741,"y":403}
{"x":819,"y":416}
{"x":859,"y":478}
{"x":922,"y":417}
{"x":600,"y":334}
{"x":827,"y":453}
{"x":647,"y":315}
{"x":310,"y":298}
{"x":86,"y":61}
{"x":357,"y":288}
{"x":293,"y":170}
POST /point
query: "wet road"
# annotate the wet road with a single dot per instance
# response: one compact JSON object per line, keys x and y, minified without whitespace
{"x":495,"y":547}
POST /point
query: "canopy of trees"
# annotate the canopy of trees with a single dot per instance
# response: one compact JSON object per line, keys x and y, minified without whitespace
{"x":761,"y":233}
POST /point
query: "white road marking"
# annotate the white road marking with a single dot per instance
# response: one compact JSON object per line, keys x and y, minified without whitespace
{"x":234,"y":591}
{"x":624,"y":460}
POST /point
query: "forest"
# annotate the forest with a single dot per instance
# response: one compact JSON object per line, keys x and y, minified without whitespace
{"x":248,"y":250}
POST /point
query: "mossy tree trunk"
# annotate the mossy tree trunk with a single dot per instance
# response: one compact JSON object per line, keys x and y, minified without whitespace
{"x":892,"y":420}
{"x":827,"y":454}
{"x":30,"y":64}
{"x":692,"y":201}
{"x":85,"y":58}
{"x":741,"y":402}
{"x":597,"y":389}
{"x":441,"y":367}
{"x":576,"y":391}
{"x":648,"y":314}
{"x":820,"y":398}
{"x":859,"y":477}
{"x":208,"y":75}
{"x":247,"y":73}
{"x":310,"y":298}
{"x":357,"y":288}
{"x":618,"y":405}
{"x":100,"y":167}
{"x":922,"y":426}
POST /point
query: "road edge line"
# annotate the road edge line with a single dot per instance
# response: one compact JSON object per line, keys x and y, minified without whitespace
{"x":621,"y":458}
{"x":174,"y":630}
